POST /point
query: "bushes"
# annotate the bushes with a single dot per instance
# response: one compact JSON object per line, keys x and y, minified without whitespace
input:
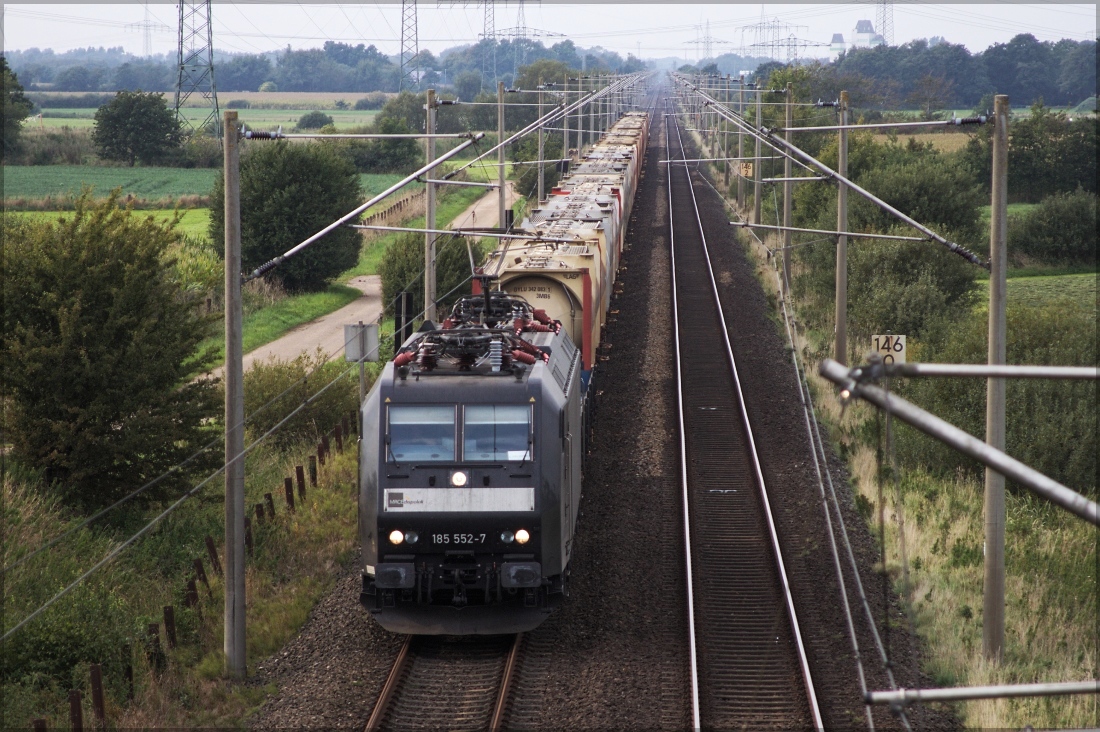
{"x":403,"y":267}
{"x":98,"y":338}
{"x":375,"y":100}
{"x":299,"y":379}
{"x":1061,"y":230}
{"x":314,"y":121}
{"x":64,"y":146}
{"x":1051,"y":425}
{"x":288,"y":193}
{"x":382,"y":156}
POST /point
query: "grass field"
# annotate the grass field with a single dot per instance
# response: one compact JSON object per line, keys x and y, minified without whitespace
{"x":195,"y":222}
{"x":944,"y":142}
{"x":261,"y":118}
{"x":1044,"y":289}
{"x":41,"y":181}
{"x":1014,"y":209}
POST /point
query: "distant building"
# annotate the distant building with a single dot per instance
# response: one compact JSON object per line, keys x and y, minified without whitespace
{"x":863,"y":36}
{"x":838,"y":46}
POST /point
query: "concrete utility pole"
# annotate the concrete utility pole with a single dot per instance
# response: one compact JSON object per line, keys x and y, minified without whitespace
{"x":726,"y":140}
{"x":592,"y":111}
{"x":429,"y":217}
{"x":234,"y":641}
{"x":787,"y":194}
{"x":542,"y":144}
{"x":740,"y":142}
{"x":500,"y":154}
{"x":840,"y":351}
{"x":565,"y":121}
{"x":756,"y":172}
{"x":993,"y":612}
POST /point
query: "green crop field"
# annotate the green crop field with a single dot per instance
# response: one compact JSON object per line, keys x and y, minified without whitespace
{"x":195,"y":221}
{"x":259,"y":118}
{"x":40,"y":181}
{"x":1040,"y":290}
{"x":1014,"y":209}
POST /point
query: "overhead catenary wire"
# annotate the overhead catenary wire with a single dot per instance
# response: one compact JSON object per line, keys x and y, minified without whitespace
{"x":787,"y":148}
{"x":118,"y":550}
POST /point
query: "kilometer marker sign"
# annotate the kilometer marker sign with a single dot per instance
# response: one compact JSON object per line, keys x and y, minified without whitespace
{"x":892,"y":347}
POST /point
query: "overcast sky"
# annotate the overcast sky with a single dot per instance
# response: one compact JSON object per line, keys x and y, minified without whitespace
{"x":652,"y":29}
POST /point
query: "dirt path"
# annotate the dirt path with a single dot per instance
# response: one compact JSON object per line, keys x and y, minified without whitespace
{"x":327,"y":332}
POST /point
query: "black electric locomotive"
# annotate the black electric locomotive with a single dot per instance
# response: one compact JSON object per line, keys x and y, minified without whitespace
{"x":470,"y":472}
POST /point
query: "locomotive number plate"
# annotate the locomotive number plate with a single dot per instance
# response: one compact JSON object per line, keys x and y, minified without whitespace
{"x":459,"y":539}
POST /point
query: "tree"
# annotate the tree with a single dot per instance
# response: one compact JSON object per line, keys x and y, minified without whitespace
{"x":16,"y":108}
{"x":314,"y":120}
{"x":467,"y":85}
{"x":99,"y":341}
{"x":79,"y":78}
{"x":1060,"y":230}
{"x":403,"y":269}
{"x":931,"y":94}
{"x":288,"y":193}
{"x":135,"y":125}
{"x":244,"y":73}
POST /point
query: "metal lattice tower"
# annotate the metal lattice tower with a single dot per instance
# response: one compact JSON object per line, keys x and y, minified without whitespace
{"x":520,"y":35}
{"x":777,"y":40}
{"x":410,"y":47}
{"x":519,"y":43}
{"x":884,"y":20}
{"x":706,"y":43}
{"x":489,"y":72}
{"x":195,"y":64}
{"x":147,"y":27}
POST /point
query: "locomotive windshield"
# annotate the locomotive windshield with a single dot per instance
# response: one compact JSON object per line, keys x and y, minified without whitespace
{"x":496,"y":432}
{"x":422,"y":433}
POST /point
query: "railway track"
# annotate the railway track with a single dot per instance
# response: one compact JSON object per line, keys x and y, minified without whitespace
{"x":749,"y":667}
{"x":442,"y":682}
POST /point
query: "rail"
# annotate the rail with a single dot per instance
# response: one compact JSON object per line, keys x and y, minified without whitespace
{"x":754,"y":477}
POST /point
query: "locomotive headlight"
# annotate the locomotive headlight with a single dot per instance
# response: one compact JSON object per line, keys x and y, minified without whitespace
{"x":459,"y":478}
{"x":507,"y":537}
{"x":397,"y":536}
{"x":411,"y":537}
{"x":522,"y":536}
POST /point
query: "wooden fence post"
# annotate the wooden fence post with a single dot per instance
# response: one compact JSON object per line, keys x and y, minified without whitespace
{"x":259,"y":513}
{"x":99,"y":708}
{"x":76,"y":711}
{"x":312,"y":471}
{"x":153,"y":651}
{"x":170,"y":625}
{"x":248,"y":535}
{"x":191,"y":596}
{"x":300,"y":475}
{"x":212,"y":551}
{"x":200,"y":572}
{"x":288,"y":488}
{"x":128,"y":672}
{"x":320,"y":454}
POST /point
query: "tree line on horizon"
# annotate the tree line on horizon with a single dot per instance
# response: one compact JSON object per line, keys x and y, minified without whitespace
{"x":906,"y":76}
{"x":335,"y":67}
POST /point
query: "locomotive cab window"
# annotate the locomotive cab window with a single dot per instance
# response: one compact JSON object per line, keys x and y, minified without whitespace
{"x":496,"y":432}
{"x":421,"y":433}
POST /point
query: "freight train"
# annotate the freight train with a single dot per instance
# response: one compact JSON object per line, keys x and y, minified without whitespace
{"x":471,"y":438}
